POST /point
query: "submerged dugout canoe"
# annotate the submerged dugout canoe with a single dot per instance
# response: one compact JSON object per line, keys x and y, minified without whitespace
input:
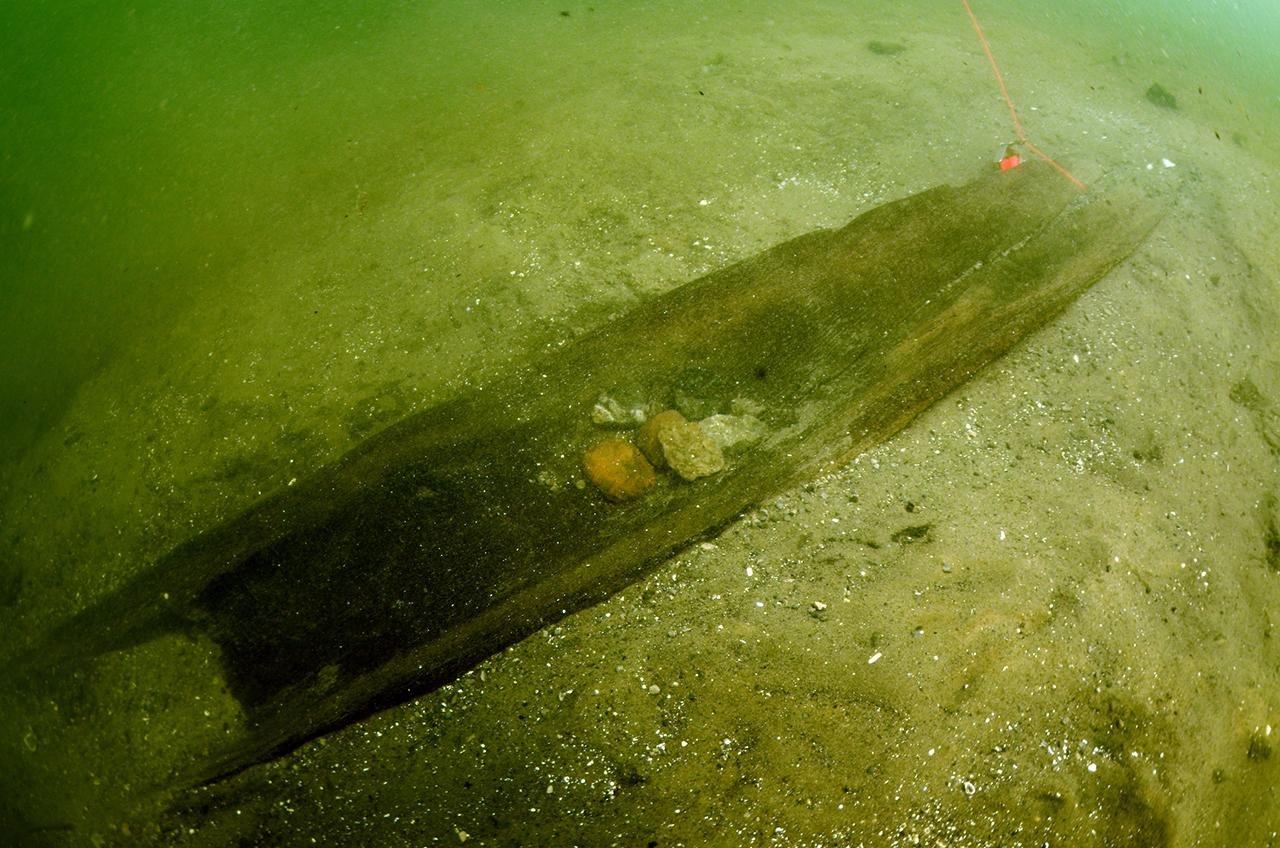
{"x":470,"y":525}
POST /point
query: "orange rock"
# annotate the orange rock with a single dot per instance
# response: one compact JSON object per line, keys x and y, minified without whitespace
{"x":618,"y":469}
{"x":650,"y":432}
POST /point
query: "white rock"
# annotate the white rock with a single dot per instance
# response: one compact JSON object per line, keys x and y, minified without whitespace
{"x":733,"y":431}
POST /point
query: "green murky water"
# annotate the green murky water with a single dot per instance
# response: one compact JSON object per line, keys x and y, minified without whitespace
{"x":238,"y":239}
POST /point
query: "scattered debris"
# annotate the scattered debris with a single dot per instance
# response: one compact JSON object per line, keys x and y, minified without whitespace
{"x":886,"y":48}
{"x":1160,"y":96}
{"x":914,"y":533}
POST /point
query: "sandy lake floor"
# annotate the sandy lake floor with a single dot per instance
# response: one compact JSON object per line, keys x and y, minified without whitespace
{"x":1078,"y":651}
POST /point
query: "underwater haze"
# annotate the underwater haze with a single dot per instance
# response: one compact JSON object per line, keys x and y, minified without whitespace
{"x":239,"y":239}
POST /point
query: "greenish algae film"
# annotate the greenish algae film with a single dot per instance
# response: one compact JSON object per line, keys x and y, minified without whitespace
{"x":237,"y":240}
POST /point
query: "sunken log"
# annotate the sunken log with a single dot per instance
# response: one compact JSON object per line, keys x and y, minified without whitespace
{"x":470,"y":525}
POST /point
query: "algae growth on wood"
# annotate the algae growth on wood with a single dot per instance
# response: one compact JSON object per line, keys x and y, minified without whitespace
{"x":470,"y":525}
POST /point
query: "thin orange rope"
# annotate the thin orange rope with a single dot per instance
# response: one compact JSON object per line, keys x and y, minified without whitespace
{"x":1008,"y":101}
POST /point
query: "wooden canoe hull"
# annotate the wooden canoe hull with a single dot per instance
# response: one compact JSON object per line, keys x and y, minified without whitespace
{"x":468,"y":526}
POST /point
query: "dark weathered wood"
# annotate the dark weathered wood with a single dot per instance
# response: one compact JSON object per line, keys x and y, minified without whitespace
{"x":459,"y":530}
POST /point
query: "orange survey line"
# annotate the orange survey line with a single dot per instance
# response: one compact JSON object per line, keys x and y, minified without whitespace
{"x":1008,"y":101}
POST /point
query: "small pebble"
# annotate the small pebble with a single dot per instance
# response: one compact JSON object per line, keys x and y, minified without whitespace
{"x":653,"y":689}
